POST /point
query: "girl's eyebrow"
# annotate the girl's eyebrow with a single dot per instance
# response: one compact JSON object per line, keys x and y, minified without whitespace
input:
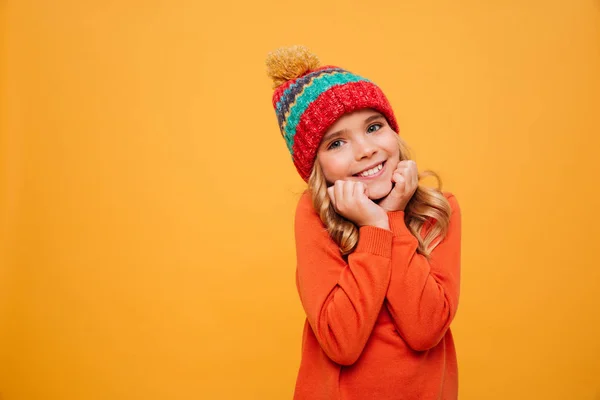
{"x":333,"y":134}
{"x":373,"y":117}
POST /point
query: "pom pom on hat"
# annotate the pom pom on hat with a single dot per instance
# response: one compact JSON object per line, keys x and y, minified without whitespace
{"x":286,"y":63}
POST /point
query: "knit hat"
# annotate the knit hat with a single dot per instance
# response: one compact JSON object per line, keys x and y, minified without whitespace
{"x":309,"y":98}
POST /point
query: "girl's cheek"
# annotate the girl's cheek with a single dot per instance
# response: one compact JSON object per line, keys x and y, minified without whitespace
{"x":393,"y":165}
{"x":340,"y":165}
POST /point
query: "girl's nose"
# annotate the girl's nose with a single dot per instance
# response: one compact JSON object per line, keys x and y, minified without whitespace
{"x":364,"y":149}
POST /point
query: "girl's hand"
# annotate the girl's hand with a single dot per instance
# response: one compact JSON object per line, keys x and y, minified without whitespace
{"x":350,"y":199}
{"x":406,"y":181}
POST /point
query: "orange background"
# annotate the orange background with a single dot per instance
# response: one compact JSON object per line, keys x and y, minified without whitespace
{"x":147,"y":197}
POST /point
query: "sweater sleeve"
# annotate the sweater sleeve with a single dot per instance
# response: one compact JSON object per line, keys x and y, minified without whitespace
{"x":423,"y":294}
{"x":342,"y":300}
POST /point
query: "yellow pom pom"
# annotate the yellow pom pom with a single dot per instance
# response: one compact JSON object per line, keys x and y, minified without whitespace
{"x":288,"y":63}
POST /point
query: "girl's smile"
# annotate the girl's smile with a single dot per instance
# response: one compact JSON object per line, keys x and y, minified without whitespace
{"x":372,"y":172}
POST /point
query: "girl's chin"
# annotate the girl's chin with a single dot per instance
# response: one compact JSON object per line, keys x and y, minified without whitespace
{"x":380,"y":192}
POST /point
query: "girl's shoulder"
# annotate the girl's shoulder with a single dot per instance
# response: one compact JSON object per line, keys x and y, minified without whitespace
{"x":451,"y":197}
{"x":308,"y":225}
{"x":448,"y":195}
{"x":305,"y":210}
{"x":305,"y":203}
{"x":455,"y":214}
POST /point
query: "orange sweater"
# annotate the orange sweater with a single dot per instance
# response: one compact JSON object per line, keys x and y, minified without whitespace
{"x":378,"y":322}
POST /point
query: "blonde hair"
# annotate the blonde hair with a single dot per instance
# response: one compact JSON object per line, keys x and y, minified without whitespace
{"x":426,"y":204}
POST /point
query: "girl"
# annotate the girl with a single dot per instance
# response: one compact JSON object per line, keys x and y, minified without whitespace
{"x":378,"y":256}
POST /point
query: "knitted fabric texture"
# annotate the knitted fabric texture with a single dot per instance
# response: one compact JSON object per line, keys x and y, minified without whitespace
{"x":306,"y":106}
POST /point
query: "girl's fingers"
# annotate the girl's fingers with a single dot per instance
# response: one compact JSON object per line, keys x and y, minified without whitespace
{"x":400,"y":184}
{"x":416,"y":176}
{"x":348,"y":190}
{"x":405,"y":166}
{"x":405,"y":163}
{"x":331,"y":194}
{"x":411,"y":174}
{"x":339,"y":192}
{"x":399,"y":178}
{"x":396,"y":177}
{"x":359,"y":190}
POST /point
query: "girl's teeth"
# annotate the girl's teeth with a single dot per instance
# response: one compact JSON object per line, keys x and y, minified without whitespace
{"x":372,"y":171}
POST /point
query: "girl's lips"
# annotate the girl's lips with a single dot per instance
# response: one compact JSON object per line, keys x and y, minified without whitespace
{"x":375,"y":175}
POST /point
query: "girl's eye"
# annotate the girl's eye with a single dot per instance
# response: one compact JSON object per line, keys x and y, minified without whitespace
{"x":335,"y":144}
{"x":373,"y":128}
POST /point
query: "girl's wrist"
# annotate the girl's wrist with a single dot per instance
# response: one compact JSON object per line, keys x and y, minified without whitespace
{"x":383,"y":223}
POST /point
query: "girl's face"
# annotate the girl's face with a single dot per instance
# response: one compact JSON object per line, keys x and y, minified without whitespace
{"x":360,"y":146}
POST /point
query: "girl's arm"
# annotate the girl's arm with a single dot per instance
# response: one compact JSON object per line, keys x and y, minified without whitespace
{"x":423,"y":294}
{"x":342,"y":300}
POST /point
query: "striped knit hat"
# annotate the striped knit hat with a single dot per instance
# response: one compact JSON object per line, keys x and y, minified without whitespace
{"x":309,"y":98}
